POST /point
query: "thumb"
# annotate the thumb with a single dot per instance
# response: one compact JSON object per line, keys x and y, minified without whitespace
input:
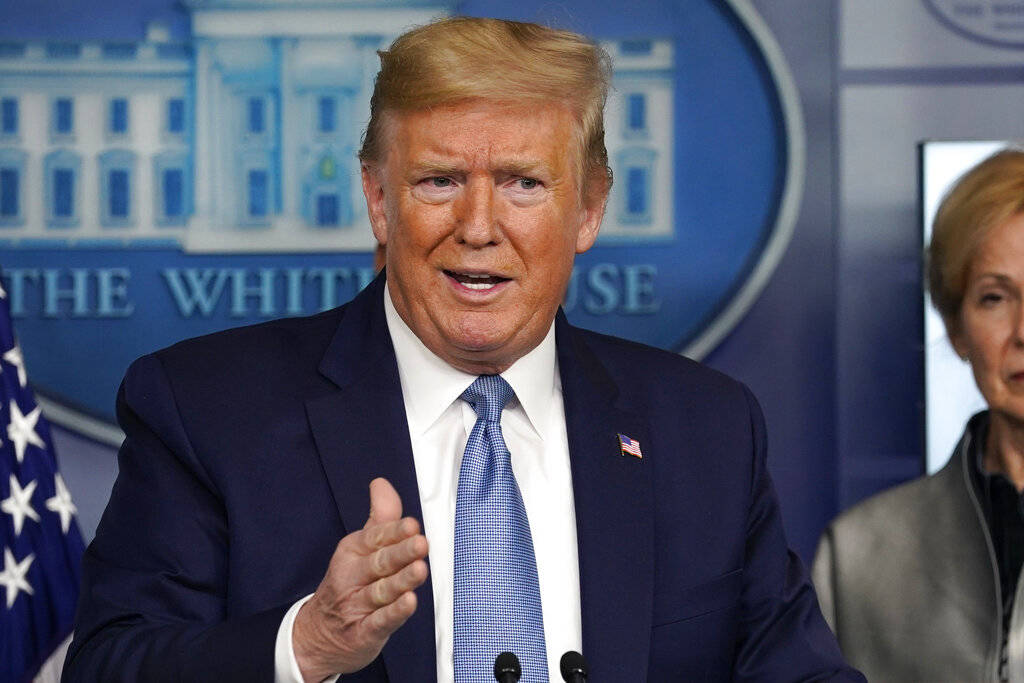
{"x":385,"y":504}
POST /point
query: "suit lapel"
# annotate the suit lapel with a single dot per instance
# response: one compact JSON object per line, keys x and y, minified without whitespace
{"x":614,"y":518}
{"x":361,"y":433}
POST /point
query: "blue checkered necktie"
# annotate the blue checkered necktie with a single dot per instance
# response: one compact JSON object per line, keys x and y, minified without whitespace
{"x":497,"y":596}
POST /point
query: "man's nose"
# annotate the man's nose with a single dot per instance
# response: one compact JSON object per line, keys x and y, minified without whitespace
{"x":475,"y":217}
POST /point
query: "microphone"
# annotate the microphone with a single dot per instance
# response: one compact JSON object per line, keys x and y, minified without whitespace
{"x":573,"y":667}
{"x":506,"y":668}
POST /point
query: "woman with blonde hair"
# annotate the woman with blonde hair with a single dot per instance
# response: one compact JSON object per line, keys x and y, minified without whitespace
{"x":921,"y":582}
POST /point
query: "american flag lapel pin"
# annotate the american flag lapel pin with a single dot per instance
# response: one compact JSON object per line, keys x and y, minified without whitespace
{"x":629,"y":446}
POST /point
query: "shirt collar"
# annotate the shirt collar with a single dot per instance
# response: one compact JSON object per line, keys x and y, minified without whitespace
{"x":430,"y":385}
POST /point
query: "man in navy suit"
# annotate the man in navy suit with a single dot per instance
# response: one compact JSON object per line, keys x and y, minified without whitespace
{"x":236,"y":545}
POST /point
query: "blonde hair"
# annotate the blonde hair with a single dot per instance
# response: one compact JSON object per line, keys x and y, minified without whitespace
{"x":983,"y":198}
{"x":466,"y":58}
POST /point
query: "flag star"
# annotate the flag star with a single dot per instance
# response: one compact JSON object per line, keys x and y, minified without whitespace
{"x":15,"y":358}
{"x":22,"y":430}
{"x":3,"y":292}
{"x":19,"y":504}
{"x":13,"y":576}
{"x":61,"y":503}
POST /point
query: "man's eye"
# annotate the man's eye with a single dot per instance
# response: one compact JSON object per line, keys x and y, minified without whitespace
{"x":991,"y":298}
{"x":440,"y":181}
{"x":528,"y":183}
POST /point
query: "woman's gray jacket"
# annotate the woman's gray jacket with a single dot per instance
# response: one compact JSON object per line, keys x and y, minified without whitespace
{"x":908,"y":582}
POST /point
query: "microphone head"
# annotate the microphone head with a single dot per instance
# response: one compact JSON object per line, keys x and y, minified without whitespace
{"x":573,"y":666}
{"x":506,"y":667}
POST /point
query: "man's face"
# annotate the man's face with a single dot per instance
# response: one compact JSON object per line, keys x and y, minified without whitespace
{"x":481,"y":209}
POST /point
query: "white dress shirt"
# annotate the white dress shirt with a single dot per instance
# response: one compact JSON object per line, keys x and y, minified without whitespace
{"x":533,"y":424}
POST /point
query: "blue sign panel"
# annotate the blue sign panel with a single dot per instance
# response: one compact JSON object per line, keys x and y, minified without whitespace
{"x":203,"y":175}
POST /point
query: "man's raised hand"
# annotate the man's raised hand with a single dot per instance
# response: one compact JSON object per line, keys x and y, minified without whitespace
{"x":367,"y":592}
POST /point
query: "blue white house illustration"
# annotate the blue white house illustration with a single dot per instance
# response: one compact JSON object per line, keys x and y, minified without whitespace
{"x":244,"y":138}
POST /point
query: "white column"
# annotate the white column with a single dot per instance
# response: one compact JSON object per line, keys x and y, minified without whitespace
{"x":224,"y":176}
{"x":203,"y":148}
{"x":291,"y":110}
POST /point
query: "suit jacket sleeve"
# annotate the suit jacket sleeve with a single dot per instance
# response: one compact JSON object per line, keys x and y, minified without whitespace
{"x":153,"y":602}
{"x":784,"y":636}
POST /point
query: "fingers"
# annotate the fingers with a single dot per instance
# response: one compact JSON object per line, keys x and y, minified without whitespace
{"x":389,"y":589}
{"x":385,"y":503}
{"x":385,"y":534}
{"x":389,"y":541}
{"x":392,"y":558}
{"x":365,"y":562}
{"x":383,"y":547}
{"x":367,"y":542}
{"x":386,"y":620}
{"x":367,"y":592}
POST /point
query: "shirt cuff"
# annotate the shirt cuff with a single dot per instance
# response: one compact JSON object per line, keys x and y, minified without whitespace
{"x":286,"y":668}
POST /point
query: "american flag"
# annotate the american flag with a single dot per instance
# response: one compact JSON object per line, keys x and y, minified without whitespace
{"x":629,"y":446}
{"x":40,"y":545}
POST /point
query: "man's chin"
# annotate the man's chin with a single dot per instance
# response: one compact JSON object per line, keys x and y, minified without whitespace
{"x":482,"y":354}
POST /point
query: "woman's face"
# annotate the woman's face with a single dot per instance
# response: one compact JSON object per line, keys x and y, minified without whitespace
{"x":991,"y":330}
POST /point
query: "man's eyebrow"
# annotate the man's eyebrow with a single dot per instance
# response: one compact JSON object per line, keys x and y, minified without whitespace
{"x":434,"y":166}
{"x":525,"y":167}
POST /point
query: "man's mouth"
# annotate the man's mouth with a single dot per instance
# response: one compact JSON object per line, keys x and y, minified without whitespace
{"x":476,"y":281}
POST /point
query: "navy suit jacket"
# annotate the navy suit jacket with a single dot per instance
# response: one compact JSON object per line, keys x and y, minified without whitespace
{"x":249,"y":453}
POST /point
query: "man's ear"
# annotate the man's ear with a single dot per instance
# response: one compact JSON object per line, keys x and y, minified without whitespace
{"x":594,"y":201}
{"x":373,"y":190}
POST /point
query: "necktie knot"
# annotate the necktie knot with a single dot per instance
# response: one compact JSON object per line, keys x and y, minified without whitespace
{"x":488,"y":395}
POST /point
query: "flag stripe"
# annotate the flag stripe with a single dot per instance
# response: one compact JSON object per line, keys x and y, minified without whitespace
{"x":630,"y":446}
